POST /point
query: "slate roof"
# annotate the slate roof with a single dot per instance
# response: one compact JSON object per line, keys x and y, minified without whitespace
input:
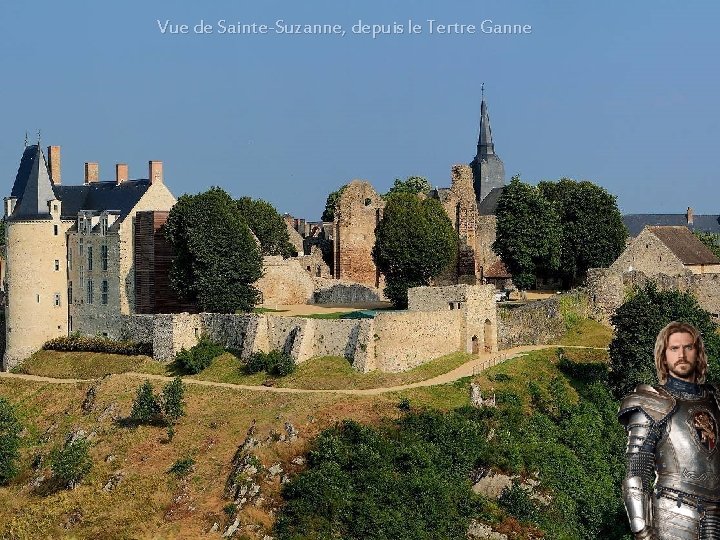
{"x":488,"y":206}
{"x":637,"y":222}
{"x":686,"y":247}
{"x":33,"y":188}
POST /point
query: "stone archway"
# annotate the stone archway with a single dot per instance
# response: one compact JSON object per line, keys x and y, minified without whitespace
{"x":475,"y":348}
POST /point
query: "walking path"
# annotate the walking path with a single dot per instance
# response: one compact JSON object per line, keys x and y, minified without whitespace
{"x":470,"y":368}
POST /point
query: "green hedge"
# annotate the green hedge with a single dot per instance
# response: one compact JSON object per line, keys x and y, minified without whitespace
{"x":75,"y":343}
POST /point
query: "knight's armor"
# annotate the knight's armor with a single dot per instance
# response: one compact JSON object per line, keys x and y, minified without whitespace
{"x":672,"y":431}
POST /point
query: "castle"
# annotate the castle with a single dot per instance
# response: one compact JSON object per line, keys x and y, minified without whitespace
{"x":70,"y":250}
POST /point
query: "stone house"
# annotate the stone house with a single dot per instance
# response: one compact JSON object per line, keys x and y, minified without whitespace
{"x":669,"y":250}
{"x":70,"y":250}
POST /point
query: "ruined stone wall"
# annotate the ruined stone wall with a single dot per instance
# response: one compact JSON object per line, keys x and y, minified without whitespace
{"x":345,"y":293}
{"x":406,"y":339}
{"x":534,"y":323}
{"x":284,"y":282}
{"x":647,"y":254}
{"x":486,"y":234}
{"x":357,"y":213}
{"x":137,"y":328}
{"x":173,"y":332}
{"x":314,"y":263}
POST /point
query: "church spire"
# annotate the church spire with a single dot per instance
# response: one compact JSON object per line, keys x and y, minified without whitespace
{"x":485,"y":142}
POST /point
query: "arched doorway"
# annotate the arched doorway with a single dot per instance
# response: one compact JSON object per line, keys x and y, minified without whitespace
{"x":475,"y":345}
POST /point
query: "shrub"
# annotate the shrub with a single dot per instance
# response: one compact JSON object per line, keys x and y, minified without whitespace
{"x":173,"y":404}
{"x":276,"y":363}
{"x":71,"y":463}
{"x":9,"y":441}
{"x":182,"y":466}
{"x":198,"y":357}
{"x":77,"y":343}
{"x":145,"y":408}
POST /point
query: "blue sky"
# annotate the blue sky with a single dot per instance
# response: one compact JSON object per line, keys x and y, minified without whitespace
{"x":621,"y":93}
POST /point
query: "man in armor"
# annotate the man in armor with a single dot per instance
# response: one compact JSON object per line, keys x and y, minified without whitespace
{"x":672,"y":440}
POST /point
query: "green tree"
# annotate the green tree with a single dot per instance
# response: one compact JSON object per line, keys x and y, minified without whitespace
{"x":10,"y":429}
{"x":711,"y":240}
{"x":71,"y":463}
{"x":145,"y":408}
{"x":216,"y":257}
{"x":267,"y":225}
{"x":173,"y":400}
{"x":199,"y":356}
{"x":593,"y":233}
{"x":330,"y":202}
{"x":412,"y":184}
{"x":637,"y":323}
{"x":414,"y":242}
{"x":529,"y":235}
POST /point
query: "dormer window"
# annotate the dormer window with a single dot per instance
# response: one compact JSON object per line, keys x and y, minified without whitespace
{"x":103,"y":225}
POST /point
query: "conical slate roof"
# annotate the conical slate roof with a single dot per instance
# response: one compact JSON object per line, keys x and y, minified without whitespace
{"x":32,"y":186}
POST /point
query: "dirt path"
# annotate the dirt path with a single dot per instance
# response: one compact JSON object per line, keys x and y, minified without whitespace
{"x":470,"y":368}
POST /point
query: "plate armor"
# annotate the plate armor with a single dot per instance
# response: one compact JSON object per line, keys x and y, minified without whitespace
{"x":672,"y":431}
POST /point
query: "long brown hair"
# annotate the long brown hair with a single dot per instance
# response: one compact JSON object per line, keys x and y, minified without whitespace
{"x":661,"y":343}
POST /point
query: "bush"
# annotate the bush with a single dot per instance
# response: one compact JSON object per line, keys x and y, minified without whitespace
{"x":145,"y":408}
{"x":71,"y":463}
{"x":173,"y":404}
{"x":182,"y":466}
{"x":200,"y":356}
{"x":77,"y":343}
{"x":276,"y":363}
{"x":9,"y":441}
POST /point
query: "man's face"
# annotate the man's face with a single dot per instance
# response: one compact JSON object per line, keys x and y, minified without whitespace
{"x":681,"y":356}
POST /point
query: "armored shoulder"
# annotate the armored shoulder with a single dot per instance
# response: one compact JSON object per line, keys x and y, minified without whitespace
{"x":654,"y":401}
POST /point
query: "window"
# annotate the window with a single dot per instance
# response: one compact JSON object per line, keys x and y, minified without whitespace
{"x":70,"y":291}
{"x":57,"y":265}
{"x":38,"y":298}
{"x":55,"y":227}
{"x":90,"y":258}
{"x":104,"y":291}
{"x":89,"y":297}
{"x":82,"y":243}
{"x":57,"y":299}
{"x":103,"y":225}
{"x":104,"y":256}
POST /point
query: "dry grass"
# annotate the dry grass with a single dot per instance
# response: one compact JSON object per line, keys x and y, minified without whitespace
{"x":84,"y":365}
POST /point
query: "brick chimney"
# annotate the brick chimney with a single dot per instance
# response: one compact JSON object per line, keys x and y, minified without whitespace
{"x":92,"y":173}
{"x":689,"y":215}
{"x":155,"y":171}
{"x":54,"y":159}
{"x":121,"y":173}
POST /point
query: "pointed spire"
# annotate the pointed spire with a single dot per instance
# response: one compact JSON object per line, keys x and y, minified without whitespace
{"x":485,"y":142}
{"x":32,"y":185}
{"x":26,"y":138}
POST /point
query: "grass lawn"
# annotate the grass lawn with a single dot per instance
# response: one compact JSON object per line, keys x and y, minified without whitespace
{"x":84,"y":365}
{"x":588,"y":333}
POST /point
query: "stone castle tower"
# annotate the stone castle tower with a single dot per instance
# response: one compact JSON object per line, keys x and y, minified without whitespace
{"x":488,"y":169}
{"x":36,"y":259}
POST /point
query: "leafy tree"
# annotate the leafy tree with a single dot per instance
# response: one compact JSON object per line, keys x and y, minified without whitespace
{"x":529,"y":235}
{"x":267,"y":225}
{"x":216,"y":257}
{"x":10,"y":429}
{"x":71,"y":463}
{"x":593,"y":233}
{"x":637,"y":323}
{"x":414,"y":242}
{"x":146,"y":408}
{"x":173,"y":400}
{"x":711,"y":240}
{"x":332,"y":199}
{"x":412,"y":184}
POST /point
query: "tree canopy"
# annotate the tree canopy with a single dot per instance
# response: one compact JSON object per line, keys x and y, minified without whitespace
{"x":414,"y":242}
{"x":330,"y":202}
{"x":711,"y":240}
{"x":216,"y":257}
{"x":637,"y":323}
{"x":529,"y":235}
{"x":412,"y":184}
{"x":593,"y":233}
{"x":267,"y":225}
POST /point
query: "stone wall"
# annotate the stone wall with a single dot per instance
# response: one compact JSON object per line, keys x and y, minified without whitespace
{"x":406,"y":339}
{"x":647,"y":254}
{"x":534,"y":323}
{"x":284,"y":282}
{"x":344,"y":293}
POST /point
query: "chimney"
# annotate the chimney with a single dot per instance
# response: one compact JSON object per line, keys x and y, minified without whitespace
{"x":689,"y":215}
{"x":54,"y":159}
{"x":92,"y":173}
{"x":155,"y":171}
{"x":121,"y":173}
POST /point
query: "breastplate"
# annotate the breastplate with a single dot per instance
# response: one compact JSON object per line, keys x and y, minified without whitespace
{"x":687,"y":457}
